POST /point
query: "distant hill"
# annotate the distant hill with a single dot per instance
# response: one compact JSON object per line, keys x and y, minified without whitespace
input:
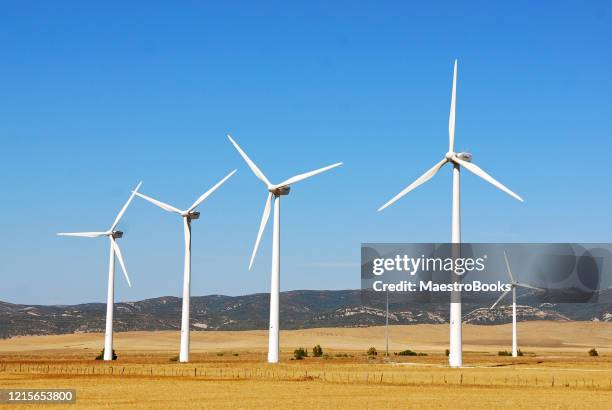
{"x":299,"y":309}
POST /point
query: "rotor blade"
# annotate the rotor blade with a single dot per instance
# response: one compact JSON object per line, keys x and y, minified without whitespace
{"x":161,"y":204}
{"x":451,"y":118}
{"x":210,"y":191}
{"x":499,"y":299}
{"x":420,"y":180}
{"x":83,"y":234}
{"x":250,"y":163}
{"x":302,"y":177}
{"x":508,"y":266}
{"x":525,"y":285}
{"x":120,"y":214}
{"x":121,"y":262}
{"x":262,"y":227}
{"x":475,"y":169}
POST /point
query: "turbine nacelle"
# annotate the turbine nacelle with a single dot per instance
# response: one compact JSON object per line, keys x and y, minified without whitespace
{"x":465,"y":156}
{"x":282,"y":190}
{"x":116,"y":234}
{"x":192,"y":215}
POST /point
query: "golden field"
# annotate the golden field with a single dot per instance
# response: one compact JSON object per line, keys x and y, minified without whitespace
{"x":228,"y":369}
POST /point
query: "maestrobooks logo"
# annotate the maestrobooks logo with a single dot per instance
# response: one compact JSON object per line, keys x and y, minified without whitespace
{"x":481,"y":273}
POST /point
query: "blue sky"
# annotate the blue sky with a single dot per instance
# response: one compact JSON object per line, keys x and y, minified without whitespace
{"x":95,"y":98}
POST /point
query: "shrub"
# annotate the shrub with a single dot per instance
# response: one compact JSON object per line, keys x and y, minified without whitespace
{"x":593,"y":352}
{"x":372,"y":351}
{"x":317,"y":351}
{"x":504,"y":353}
{"x":407,"y":353}
{"x":300,"y":353}
{"x":342,"y":355}
{"x":519,"y":353}
{"x":220,"y":354}
{"x":174,"y":358}
{"x":101,"y":355}
{"x":447,"y":352}
{"x":236,"y":354}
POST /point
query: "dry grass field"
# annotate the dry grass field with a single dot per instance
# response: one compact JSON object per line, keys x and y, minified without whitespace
{"x":228,"y":369}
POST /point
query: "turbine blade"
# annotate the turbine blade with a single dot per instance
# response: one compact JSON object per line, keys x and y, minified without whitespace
{"x":508,"y":266}
{"x":262,"y":227}
{"x":419,"y":181}
{"x":161,"y":204}
{"x":120,"y":214}
{"x":499,"y":299}
{"x":451,"y":118}
{"x":306,"y":175}
{"x":210,"y":191}
{"x":121,"y":262}
{"x":250,"y":163}
{"x":475,"y":169}
{"x":83,"y":234}
{"x":528,"y":286}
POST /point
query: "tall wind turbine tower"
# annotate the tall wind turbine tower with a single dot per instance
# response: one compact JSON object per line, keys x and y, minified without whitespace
{"x":458,"y":160}
{"x":115,"y":252}
{"x":187,"y":215}
{"x":275,"y":191}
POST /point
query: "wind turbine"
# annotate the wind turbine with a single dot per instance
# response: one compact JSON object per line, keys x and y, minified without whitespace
{"x":513,"y":283}
{"x":457,"y":160}
{"x":112,"y":235}
{"x":188,"y":215}
{"x":275,"y":191}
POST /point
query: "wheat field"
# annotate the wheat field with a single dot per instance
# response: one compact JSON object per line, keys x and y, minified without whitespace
{"x":229,"y":369}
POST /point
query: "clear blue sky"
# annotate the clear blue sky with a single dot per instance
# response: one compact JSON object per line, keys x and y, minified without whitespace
{"x":95,"y":98}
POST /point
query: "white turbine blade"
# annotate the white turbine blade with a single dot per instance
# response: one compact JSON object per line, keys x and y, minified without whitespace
{"x":508,"y":266}
{"x":161,"y":204}
{"x":262,"y":227}
{"x":120,"y":214}
{"x":121,"y":262}
{"x":499,"y":299}
{"x":475,"y":169}
{"x":83,"y":234}
{"x":250,"y":163}
{"x":525,"y":285}
{"x":306,"y":175}
{"x":451,"y":118}
{"x":210,"y":191}
{"x":419,"y":181}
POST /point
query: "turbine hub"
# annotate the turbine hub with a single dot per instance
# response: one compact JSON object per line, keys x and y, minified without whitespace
{"x":449,"y":155}
{"x":117,"y":234}
{"x":283,"y":190}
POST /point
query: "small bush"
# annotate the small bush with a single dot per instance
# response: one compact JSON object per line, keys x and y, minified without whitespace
{"x":447,"y":352}
{"x":101,"y":355}
{"x":300,"y":353}
{"x":504,"y":353}
{"x":593,"y":353}
{"x":519,"y":353}
{"x":342,"y":355}
{"x":421,"y":354}
{"x":317,"y":351}
{"x":407,"y":353}
{"x":236,"y":354}
{"x":220,"y":354}
{"x":372,"y":352}
{"x":174,"y":358}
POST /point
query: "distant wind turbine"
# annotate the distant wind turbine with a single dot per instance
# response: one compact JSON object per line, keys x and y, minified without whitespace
{"x":513,"y":283}
{"x":458,"y":160}
{"x":275,"y":191}
{"x":188,"y":215}
{"x":112,"y":235}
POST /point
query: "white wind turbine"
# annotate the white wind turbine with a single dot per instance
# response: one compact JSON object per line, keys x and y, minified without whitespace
{"x":188,"y":215}
{"x":112,"y":235}
{"x":458,"y":160}
{"x":275,"y":191}
{"x":513,"y":283}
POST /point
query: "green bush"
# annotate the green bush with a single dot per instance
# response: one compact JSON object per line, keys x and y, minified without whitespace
{"x":407,"y":353}
{"x":504,"y":353}
{"x":101,"y":355}
{"x":593,"y":352}
{"x":300,"y":353}
{"x":447,"y":352}
{"x":317,"y":351}
{"x":519,"y":353}
{"x":174,"y":358}
{"x":372,"y":352}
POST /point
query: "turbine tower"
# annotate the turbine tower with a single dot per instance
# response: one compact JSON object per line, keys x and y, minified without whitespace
{"x":513,"y":283}
{"x":275,"y":191}
{"x":188,"y":215}
{"x":458,"y":160}
{"x":112,"y":235}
